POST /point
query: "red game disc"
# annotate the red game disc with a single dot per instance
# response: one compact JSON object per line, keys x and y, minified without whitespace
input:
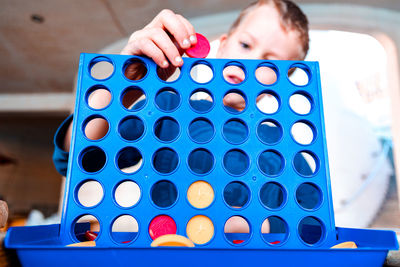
{"x":200,"y":49}
{"x":162,"y":225}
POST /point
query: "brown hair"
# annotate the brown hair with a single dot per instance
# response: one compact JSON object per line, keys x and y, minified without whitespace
{"x":292,"y":18}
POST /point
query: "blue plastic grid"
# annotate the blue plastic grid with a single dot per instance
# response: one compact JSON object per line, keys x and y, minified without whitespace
{"x":182,"y":177}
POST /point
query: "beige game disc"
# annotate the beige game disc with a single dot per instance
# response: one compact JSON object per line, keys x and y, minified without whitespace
{"x":200,"y":194}
{"x":200,"y":229}
{"x":349,"y":244}
{"x":172,"y":241}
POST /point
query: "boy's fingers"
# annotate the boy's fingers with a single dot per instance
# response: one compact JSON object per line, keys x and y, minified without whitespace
{"x":174,"y":26}
{"x":163,"y":41}
{"x":234,"y":101}
{"x":151,"y":50}
{"x":189,"y":28}
{"x":129,"y":49}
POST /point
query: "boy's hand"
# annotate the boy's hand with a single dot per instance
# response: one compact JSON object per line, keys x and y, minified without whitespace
{"x":164,"y":39}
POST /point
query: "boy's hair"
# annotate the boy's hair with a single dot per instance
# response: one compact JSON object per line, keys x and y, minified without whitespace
{"x":292,"y":18}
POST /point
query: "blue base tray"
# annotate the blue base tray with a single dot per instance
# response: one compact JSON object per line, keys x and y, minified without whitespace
{"x":41,"y":246}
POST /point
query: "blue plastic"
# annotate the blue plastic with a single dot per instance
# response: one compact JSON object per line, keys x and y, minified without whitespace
{"x":42,"y":246}
{"x":307,"y":242}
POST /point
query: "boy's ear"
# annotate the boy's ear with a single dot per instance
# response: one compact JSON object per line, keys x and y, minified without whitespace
{"x":222,"y":39}
{"x":222,"y":42}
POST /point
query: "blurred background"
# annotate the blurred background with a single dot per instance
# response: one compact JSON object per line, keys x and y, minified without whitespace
{"x":356,"y":42}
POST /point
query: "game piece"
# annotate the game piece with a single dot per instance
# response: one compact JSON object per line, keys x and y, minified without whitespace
{"x":90,"y":236}
{"x":200,"y":49}
{"x":3,"y":213}
{"x":162,"y":225}
{"x":275,"y":242}
{"x":200,"y":194}
{"x":83,"y":244}
{"x":200,"y":229}
{"x":349,"y":244}
{"x":172,"y":241}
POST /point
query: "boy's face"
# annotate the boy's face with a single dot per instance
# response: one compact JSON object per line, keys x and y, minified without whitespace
{"x":260,"y":35}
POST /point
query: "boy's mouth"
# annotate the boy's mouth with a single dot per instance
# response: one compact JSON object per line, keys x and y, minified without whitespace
{"x":233,"y":79}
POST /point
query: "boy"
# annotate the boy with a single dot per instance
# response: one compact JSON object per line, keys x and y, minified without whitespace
{"x":271,"y":30}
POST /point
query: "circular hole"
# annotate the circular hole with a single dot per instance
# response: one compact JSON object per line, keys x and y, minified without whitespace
{"x":308,"y":196}
{"x":269,"y":132}
{"x":164,"y":194}
{"x":96,"y":127}
{"x":299,"y":75}
{"x":200,"y":194}
{"x":236,"y":195}
{"x":133,"y":98}
{"x":166,"y":129}
{"x":168,"y":74}
{"x":201,"y":73}
{"x":92,"y":159}
{"x":234,"y":101}
{"x":134,"y":69}
{"x":268,"y":102}
{"x":129,"y":160}
{"x":201,"y":130}
{"x":98,"y":97}
{"x":90,"y":193}
{"x":303,"y":132}
{"x":86,"y":228}
{"x":167,"y":99}
{"x":162,"y":225}
{"x":274,"y":230}
{"x":127,"y":194}
{"x":305,"y":163}
{"x":270,"y":162}
{"x":124,"y":229}
{"x":201,"y":100}
{"x":235,"y":131}
{"x":165,"y":160}
{"x":266,"y":74}
{"x":201,"y":161}
{"x":237,"y":230}
{"x":236,"y":162}
{"x":272,"y":195}
{"x":311,"y":230}
{"x":131,"y":128}
{"x":101,"y":68}
{"x":300,"y":103}
{"x":234,"y":73}
{"x":200,"y":229}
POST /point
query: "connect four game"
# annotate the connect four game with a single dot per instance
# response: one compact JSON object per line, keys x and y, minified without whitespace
{"x":187,"y":157}
{"x":213,"y":169}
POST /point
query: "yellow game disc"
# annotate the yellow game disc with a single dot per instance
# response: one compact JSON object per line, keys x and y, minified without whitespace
{"x":83,"y":244}
{"x":349,"y":244}
{"x":200,"y":229}
{"x":200,"y":194}
{"x":172,"y":241}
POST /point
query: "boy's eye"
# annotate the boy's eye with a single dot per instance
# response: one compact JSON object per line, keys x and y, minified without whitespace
{"x":245,"y":45}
